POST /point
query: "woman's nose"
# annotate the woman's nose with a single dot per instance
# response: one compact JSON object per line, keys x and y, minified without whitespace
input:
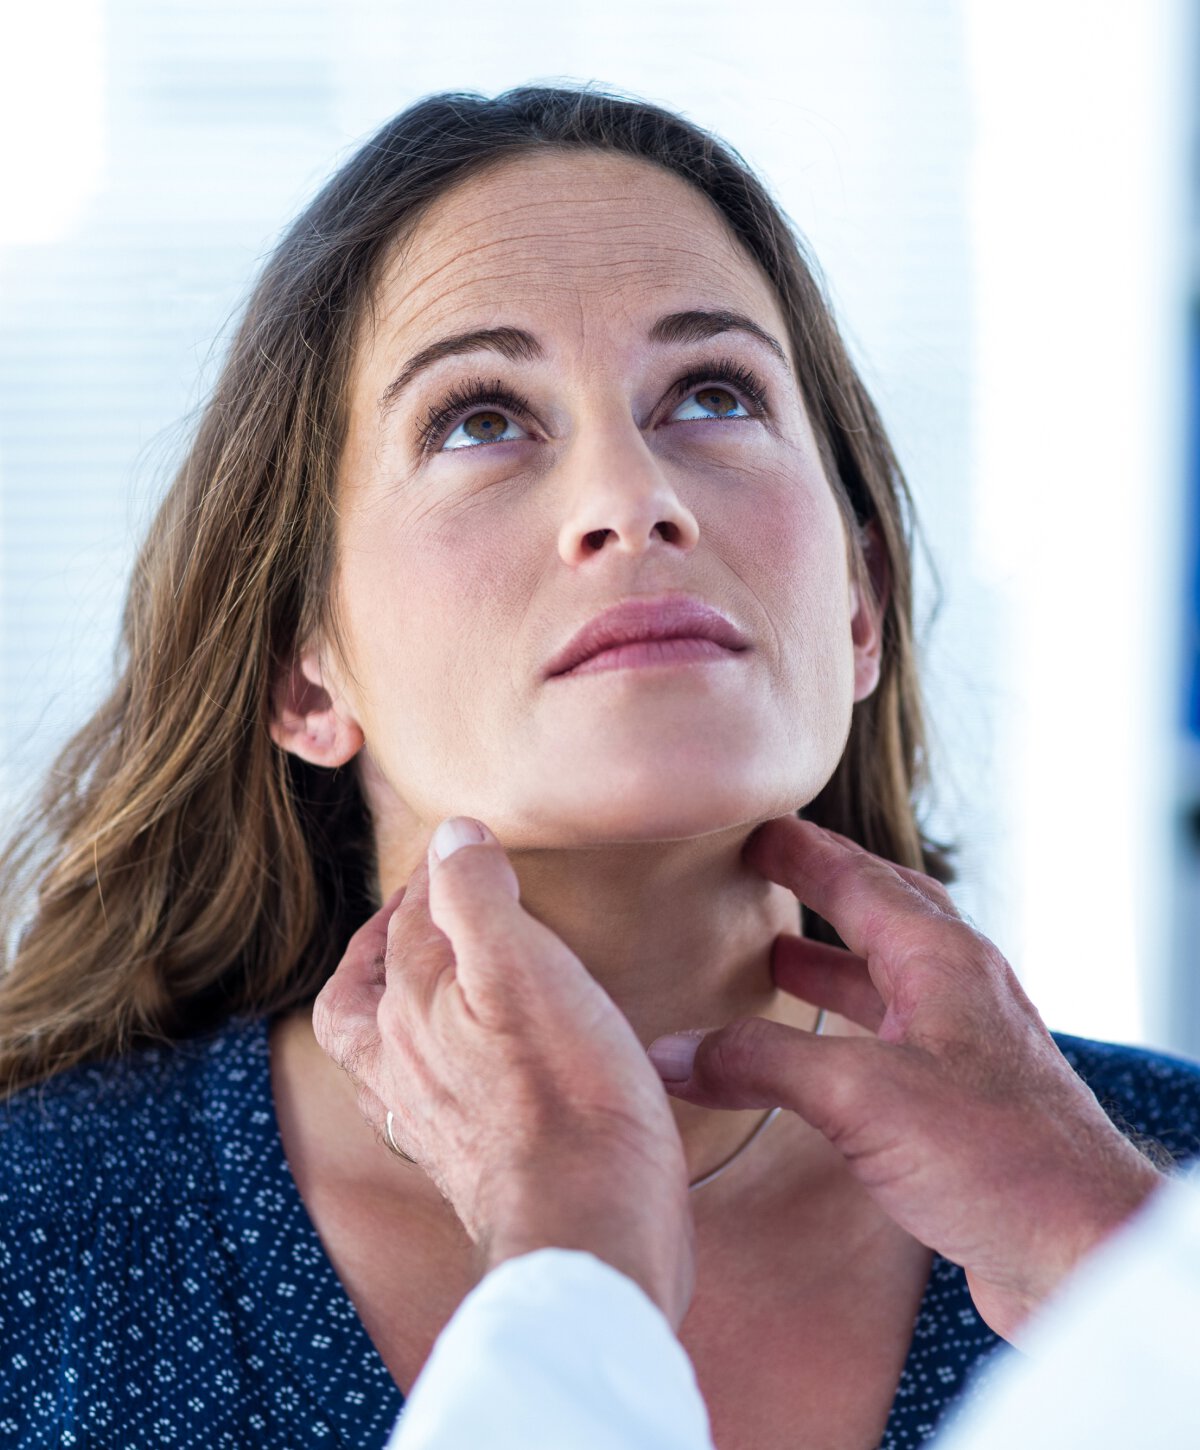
{"x":617,"y":494}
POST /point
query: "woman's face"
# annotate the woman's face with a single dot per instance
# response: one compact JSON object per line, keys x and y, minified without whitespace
{"x":605,"y":453}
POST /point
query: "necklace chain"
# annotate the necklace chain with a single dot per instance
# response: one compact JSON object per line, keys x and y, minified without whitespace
{"x":758,"y":1131}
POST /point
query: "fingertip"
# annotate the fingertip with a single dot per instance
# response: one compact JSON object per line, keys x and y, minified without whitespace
{"x":674,"y":1054}
{"x":453,"y":883}
{"x":453,"y":834}
{"x":785,"y":827}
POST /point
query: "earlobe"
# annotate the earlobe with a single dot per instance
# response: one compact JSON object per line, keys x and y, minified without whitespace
{"x":867,"y":607}
{"x":307,"y":720}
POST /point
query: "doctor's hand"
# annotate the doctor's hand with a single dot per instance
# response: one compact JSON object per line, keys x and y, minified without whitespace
{"x":513,"y":1079}
{"x":959,"y":1115}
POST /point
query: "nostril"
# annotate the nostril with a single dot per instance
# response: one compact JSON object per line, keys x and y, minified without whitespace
{"x":597,"y":537}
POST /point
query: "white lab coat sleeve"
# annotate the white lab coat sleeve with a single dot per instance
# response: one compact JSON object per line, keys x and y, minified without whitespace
{"x":551,"y":1349}
{"x":1111,"y":1361}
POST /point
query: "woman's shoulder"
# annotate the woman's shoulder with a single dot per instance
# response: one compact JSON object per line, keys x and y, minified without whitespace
{"x":1145,"y":1091}
{"x":105,"y":1131}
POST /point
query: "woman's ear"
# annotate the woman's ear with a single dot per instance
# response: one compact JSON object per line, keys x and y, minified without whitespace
{"x":309,"y":717}
{"x":867,"y":608}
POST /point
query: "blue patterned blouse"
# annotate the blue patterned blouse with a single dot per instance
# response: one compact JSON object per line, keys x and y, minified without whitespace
{"x":164,"y":1285}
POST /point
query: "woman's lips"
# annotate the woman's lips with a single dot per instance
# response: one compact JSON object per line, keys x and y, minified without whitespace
{"x":680,"y":651}
{"x":638,"y":619}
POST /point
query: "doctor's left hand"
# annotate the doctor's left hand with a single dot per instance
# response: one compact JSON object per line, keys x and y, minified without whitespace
{"x":531,"y":1143}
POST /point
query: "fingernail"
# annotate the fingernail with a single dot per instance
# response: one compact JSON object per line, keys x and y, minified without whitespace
{"x":453,"y":833}
{"x":674,"y":1054}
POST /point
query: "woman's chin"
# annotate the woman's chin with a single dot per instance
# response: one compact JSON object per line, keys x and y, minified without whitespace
{"x":641,"y":812}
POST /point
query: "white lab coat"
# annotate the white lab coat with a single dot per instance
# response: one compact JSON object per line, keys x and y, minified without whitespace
{"x":558,"y":1349}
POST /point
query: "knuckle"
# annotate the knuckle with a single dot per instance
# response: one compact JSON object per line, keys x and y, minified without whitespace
{"x":937,"y":893}
{"x":966,"y":950}
{"x":736,"y":1050}
{"x":953,"y":941}
{"x":330,"y":1023}
{"x":847,"y":873}
{"x":942,"y":894}
{"x":369,"y":1106}
{"x":846,"y":1096}
{"x":323,"y":1014}
{"x":925,"y":934}
{"x":350,"y":1059}
{"x":393,"y":1018}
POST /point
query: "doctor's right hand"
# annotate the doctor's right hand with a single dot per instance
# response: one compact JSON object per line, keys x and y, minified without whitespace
{"x":512,"y":1078}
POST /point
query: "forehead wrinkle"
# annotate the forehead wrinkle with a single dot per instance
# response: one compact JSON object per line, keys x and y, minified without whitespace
{"x":638,"y":255}
{"x":636,"y":240}
{"x":555,"y":206}
{"x":429,"y":277}
{"x":642,"y":193}
{"x":580,"y":185}
{"x":646,"y":235}
{"x":558,"y":219}
{"x":595,"y":251}
{"x":459,"y":300}
{"x":586,"y":278}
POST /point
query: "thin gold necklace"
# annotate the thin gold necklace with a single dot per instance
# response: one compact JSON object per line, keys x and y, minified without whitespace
{"x":759,"y":1130}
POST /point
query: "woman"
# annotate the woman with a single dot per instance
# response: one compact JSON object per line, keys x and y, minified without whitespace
{"x":521,"y":360}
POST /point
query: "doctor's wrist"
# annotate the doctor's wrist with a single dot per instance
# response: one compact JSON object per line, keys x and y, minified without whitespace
{"x":646,"y":1235}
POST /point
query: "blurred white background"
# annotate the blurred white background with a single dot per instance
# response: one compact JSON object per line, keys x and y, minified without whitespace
{"x":1000,"y":198}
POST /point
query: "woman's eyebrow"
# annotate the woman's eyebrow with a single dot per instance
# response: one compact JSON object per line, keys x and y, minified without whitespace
{"x":514,"y":343}
{"x":699,"y":324}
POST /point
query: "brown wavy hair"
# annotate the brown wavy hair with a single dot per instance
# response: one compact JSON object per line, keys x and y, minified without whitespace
{"x":179,"y":867}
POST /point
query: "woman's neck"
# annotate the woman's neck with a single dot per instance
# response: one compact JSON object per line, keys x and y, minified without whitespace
{"x":679,"y":935}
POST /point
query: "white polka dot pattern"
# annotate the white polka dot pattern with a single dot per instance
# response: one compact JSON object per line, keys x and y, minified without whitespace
{"x":164,"y":1284}
{"x":170,"y":1288}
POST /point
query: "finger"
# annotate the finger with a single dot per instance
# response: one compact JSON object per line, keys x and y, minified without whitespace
{"x":863,"y":897}
{"x":420,"y":956}
{"x":374,"y":1112}
{"x":345,"y":1009}
{"x":487,"y":857}
{"x":361,"y":969}
{"x":370,"y":940}
{"x":757,"y":1063}
{"x":372,"y":1107}
{"x":827,"y":977}
{"x":930,"y":887}
{"x":474,"y":898}
{"x":411,"y":941}
{"x":508,"y":966}
{"x":933,"y":890}
{"x":344,"y":1020}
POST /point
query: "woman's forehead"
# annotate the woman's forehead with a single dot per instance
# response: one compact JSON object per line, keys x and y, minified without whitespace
{"x":573,"y":236}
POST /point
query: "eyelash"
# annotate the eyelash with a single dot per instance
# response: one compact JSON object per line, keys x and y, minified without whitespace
{"x":464,"y":397}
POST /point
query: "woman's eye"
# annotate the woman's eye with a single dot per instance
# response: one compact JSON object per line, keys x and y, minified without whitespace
{"x":487,"y":426}
{"x":711,"y":402}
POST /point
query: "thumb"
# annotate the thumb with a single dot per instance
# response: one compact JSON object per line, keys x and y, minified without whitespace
{"x":750,"y":1063}
{"x":452,"y":865}
{"x":472,"y":885}
{"x":501,"y":952}
{"x":453,"y":834}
